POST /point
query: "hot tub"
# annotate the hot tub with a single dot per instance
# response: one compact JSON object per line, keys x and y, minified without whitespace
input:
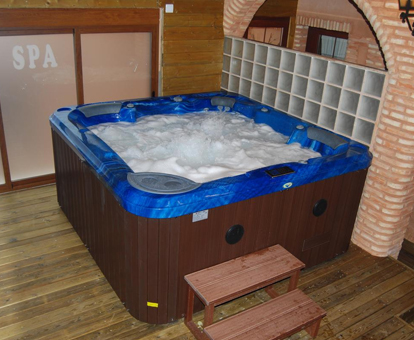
{"x":146,"y":231}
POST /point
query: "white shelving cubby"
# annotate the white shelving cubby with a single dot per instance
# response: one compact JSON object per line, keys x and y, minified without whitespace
{"x":341,"y":97}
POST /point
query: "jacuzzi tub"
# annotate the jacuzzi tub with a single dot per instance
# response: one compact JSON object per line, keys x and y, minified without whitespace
{"x":146,"y":242}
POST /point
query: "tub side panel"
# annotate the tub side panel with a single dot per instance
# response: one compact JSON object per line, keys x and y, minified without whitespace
{"x":152,"y":258}
{"x":346,"y":212}
{"x":93,"y":212}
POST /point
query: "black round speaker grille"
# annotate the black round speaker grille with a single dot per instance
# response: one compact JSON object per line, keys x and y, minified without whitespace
{"x":234,"y":234}
{"x":320,"y":207}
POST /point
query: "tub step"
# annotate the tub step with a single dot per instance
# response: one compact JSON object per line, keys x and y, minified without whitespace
{"x":243,"y":275}
{"x":274,"y":319}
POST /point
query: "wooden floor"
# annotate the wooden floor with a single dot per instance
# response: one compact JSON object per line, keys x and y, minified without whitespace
{"x":50,"y":288}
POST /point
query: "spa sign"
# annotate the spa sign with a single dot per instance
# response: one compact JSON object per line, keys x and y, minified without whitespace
{"x":31,"y":56}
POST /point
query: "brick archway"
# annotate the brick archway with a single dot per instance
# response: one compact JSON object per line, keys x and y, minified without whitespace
{"x":387,"y":202}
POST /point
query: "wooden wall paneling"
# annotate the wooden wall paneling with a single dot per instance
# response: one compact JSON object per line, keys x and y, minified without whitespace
{"x":196,"y":6}
{"x":193,"y":33}
{"x":193,"y":46}
{"x":193,"y":20}
{"x":191,"y":85}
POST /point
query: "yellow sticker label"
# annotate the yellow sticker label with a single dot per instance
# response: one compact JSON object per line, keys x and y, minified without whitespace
{"x":152,"y":304}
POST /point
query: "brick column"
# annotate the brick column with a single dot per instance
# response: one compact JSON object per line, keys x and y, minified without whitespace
{"x":387,"y":200}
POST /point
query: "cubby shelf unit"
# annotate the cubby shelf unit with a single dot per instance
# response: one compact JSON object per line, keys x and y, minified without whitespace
{"x":338,"y":96}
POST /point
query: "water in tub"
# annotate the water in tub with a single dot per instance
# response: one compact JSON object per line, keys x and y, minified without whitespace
{"x":199,"y":146}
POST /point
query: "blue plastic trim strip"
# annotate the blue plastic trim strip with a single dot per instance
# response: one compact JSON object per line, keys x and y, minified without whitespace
{"x":73,"y":125}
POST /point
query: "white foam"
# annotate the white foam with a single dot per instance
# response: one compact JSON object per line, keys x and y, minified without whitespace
{"x":199,"y":146}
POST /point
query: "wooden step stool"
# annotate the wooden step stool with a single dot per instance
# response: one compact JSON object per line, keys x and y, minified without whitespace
{"x":278,"y":318}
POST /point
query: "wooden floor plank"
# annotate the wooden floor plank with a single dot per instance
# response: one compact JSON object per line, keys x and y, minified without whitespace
{"x":41,"y":259}
{"x":403,"y":333}
{"x":50,"y":245}
{"x":27,"y":195}
{"x":50,"y":288}
{"x":13,"y":230}
{"x":387,"y":328}
{"x":26,"y":310}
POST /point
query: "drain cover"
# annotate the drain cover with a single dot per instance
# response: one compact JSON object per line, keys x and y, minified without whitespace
{"x":159,"y":183}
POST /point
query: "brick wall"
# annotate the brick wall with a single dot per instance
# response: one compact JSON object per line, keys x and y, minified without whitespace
{"x":387,"y":203}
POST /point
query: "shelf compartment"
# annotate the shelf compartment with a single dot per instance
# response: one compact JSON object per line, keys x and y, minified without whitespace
{"x":349,"y":101}
{"x":288,"y":61}
{"x":345,"y":124}
{"x":273,"y":57}
{"x":311,"y":111}
{"x":354,"y":78}
{"x":256,"y":92}
{"x":318,"y":69}
{"x":285,"y":81}
{"x":296,"y":106}
{"x":336,"y":73}
{"x":269,"y":96}
{"x":314,"y":90}
{"x":327,"y":117}
{"x":235,"y":66}
{"x":237,"y":48}
{"x":225,"y":81}
{"x":331,"y":96}
{"x":272,"y":76}
{"x":299,"y":86}
{"x":248,"y":51}
{"x":247,"y":70}
{"x":368,"y":108}
{"x":259,"y":73}
{"x":261,"y":54}
{"x":226,"y":63}
{"x":245,"y":86}
{"x":227,"y":45}
{"x":234,"y":83}
{"x":303,"y":64}
{"x":374,"y":83}
{"x":282,"y":101}
{"x":363,"y":131}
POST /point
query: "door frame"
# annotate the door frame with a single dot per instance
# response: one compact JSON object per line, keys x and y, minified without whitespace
{"x":75,"y":21}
